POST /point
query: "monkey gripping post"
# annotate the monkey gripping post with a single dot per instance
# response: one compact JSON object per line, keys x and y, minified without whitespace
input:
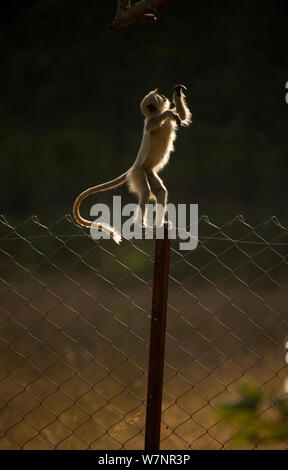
{"x":157,"y":342}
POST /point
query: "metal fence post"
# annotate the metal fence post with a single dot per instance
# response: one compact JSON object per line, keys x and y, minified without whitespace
{"x":157,"y":342}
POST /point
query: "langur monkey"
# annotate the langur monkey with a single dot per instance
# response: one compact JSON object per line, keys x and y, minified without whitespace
{"x":159,"y":134}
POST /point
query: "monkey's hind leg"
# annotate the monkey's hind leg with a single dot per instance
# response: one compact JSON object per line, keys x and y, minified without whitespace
{"x":161,"y":195}
{"x":139,"y":184}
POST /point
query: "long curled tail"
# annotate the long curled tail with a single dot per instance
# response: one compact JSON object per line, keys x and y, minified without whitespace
{"x":97,"y":189}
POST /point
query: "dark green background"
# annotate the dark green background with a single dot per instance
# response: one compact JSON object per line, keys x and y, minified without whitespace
{"x":71,"y":87}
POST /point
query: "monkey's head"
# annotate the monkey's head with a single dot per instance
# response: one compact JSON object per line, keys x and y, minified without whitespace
{"x":154,"y":103}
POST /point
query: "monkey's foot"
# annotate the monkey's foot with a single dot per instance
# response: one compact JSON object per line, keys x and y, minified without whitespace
{"x":143,"y":224}
{"x":169,"y":224}
{"x":165,"y":222}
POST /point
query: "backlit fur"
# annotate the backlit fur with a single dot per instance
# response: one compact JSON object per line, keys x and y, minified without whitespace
{"x":159,"y":133}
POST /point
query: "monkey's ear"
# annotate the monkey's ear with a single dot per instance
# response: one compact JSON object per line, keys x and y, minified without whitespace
{"x":151,"y":108}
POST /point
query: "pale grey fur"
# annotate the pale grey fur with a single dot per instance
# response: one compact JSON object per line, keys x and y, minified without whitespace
{"x":157,"y":143}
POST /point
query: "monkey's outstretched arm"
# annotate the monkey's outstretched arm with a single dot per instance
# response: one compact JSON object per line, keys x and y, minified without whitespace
{"x":181,"y":106}
{"x":157,"y":121}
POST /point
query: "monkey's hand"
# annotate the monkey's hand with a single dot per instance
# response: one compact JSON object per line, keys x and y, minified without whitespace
{"x":172,"y":114}
{"x":176,"y":117}
{"x":179,"y":88}
{"x":153,"y":123}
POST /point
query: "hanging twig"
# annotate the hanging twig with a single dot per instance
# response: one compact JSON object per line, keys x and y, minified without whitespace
{"x":143,"y":10}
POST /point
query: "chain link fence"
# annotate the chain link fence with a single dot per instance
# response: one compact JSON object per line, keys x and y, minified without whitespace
{"x":75,"y":324}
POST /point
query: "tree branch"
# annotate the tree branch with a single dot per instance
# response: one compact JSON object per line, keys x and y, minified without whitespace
{"x":139,"y":11}
{"x":122,"y":6}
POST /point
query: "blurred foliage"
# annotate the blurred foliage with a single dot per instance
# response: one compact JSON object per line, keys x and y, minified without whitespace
{"x":70,"y":90}
{"x":245,"y":415}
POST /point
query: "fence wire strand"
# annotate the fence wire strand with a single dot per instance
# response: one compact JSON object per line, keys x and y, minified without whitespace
{"x":74,"y":334}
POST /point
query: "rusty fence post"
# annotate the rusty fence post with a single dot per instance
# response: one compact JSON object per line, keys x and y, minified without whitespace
{"x":157,"y":342}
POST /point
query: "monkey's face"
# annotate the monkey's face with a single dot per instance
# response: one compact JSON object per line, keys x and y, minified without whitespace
{"x":154,"y":103}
